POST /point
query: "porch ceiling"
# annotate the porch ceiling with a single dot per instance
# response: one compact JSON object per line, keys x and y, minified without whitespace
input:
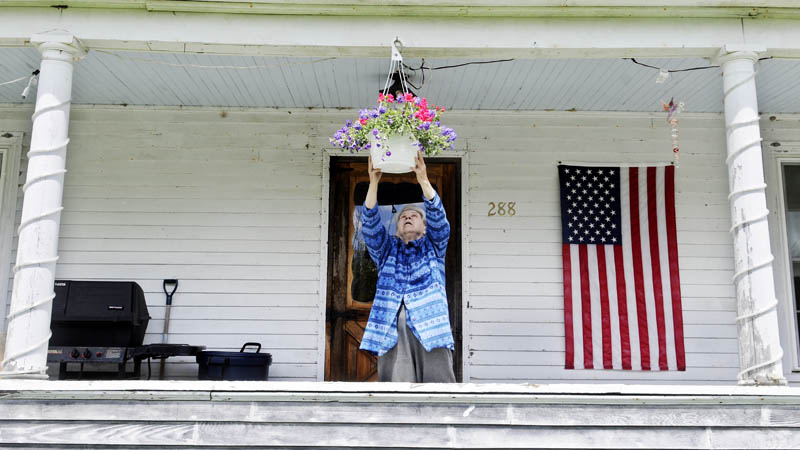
{"x":289,"y":82}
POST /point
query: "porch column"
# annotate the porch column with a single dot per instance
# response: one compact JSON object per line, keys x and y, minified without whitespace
{"x":34,"y":273}
{"x":757,"y":322}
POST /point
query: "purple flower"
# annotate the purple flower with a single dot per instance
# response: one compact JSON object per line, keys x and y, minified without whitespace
{"x":373,"y":114}
{"x":426,"y":126}
{"x":375,"y":132}
{"x":348,"y":123}
{"x":417,"y":100}
{"x":363,"y":114}
{"x":388,"y":153}
{"x":382,"y":110}
{"x":400,"y":99}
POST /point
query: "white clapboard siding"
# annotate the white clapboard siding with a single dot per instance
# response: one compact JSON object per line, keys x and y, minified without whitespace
{"x":230,"y":205}
{"x":515,"y":308}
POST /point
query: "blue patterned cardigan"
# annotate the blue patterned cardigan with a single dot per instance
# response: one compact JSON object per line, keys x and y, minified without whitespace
{"x":412,"y":274}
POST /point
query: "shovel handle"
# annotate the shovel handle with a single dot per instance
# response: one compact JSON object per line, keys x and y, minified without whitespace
{"x":169,"y":293}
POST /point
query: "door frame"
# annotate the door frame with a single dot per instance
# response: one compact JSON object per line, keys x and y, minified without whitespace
{"x":11,"y":145}
{"x":774,"y":159}
{"x":328,"y":154}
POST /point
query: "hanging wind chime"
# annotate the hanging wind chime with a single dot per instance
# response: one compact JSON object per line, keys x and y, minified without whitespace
{"x":673,"y":109}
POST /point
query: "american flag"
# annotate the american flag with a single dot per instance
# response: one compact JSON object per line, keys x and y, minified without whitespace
{"x":622,"y":296}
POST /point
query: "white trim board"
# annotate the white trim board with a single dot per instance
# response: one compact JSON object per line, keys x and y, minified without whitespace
{"x":323,"y":265}
{"x":11,"y":145}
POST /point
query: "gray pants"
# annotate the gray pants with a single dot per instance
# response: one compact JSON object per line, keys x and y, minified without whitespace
{"x":409,"y":362}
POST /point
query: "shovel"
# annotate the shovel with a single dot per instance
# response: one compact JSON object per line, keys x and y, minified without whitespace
{"x":173,"y":284}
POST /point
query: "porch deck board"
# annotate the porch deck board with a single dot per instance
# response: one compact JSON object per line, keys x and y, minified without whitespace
{"x":156,"y":414}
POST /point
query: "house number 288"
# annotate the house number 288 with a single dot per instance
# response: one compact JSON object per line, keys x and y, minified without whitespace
{"x":502,"y":209}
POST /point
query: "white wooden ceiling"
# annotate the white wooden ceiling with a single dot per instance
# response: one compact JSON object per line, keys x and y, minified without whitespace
{"x":533,"y":84}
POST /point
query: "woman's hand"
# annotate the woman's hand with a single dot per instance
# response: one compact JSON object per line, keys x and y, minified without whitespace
{"x":374,"y":174}
{"x":420,"y":169}
{"x":422,"y":177}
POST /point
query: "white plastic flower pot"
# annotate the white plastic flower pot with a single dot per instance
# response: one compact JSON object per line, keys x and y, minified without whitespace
{"x":396,"y":154}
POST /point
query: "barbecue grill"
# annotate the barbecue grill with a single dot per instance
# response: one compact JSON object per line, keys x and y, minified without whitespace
{"x":104,"y":322}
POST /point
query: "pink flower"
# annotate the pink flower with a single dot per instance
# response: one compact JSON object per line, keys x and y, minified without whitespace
{"x":390,"y":98}
{"x":409,"y":97}
{"x":362,"y":121}
{"x":380,"y":97}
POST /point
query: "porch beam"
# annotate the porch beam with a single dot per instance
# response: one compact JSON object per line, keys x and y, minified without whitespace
{"x":361,"y":36}
{"x":37,"y":250}
{"x":462,"y":8}
{"x":760,"y":353}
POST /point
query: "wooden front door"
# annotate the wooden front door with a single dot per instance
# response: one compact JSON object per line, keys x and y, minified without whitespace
{"x":352,"y":274}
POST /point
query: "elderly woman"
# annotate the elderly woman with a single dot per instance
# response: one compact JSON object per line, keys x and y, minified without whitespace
{"x":409,"y":327}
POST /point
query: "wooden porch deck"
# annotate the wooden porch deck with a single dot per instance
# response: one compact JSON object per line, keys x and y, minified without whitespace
{"x":169,"y":414}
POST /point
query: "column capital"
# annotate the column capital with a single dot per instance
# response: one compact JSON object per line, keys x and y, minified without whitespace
{"x":730,"y":52}
{"x":63,"y":44}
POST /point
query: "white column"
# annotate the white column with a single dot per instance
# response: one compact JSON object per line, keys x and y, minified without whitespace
{"x":757,"y":322}
{"x":34,"y":273}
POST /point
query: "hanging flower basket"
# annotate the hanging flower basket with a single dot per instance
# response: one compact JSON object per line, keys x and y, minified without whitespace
{"x":398,"y":127}
{"x":395,"y":130}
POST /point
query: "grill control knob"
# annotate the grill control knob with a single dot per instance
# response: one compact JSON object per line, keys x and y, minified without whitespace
{"x":75,"y":354}
{"x":87,"y":354}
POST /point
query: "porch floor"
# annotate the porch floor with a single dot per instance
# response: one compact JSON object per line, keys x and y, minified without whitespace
{"x":172,"y":414}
